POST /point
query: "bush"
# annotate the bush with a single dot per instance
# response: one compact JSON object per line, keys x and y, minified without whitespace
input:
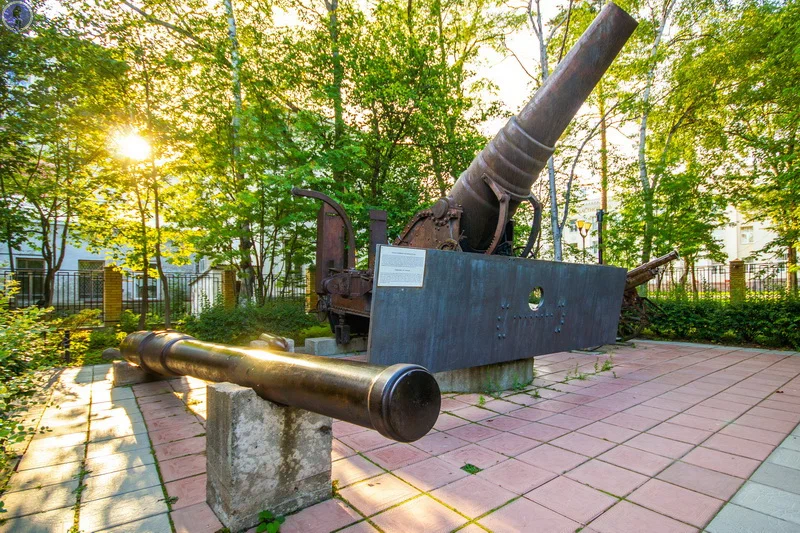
{"x":242,"y":324}
{"x":768,"y":323}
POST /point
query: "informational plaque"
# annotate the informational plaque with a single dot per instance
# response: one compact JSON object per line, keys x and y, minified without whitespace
{"x":401,"y":267}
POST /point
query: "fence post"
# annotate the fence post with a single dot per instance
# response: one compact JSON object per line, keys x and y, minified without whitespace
{"x":311,"y":293}
{"x":738,"y":282}
{"x":229,"y":289}
{"x":112,"y":295}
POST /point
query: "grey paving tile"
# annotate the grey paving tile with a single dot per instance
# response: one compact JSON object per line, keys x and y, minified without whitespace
{"x":56,"y":521}
{"x":120,"y":482}
{"x":769,"y":501}
{"x":154,"y":524}
{"x":125,"y":444}
{"x":119,"y":429}
{"x":119,"y":461}
{"x":50,"y":456}
{"x":778,"y":476}
{"x":114,"y":404}
{"x":103,"y":514}
{"x":40,"y":477}
{"x":131,"y":413}
{"x":785,"y":457}
{"x":791,"y":442}
{"x":36,"y":500}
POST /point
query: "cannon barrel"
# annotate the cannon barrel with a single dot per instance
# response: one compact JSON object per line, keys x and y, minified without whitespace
{"x":400,"y":401}
{"x":516,"y":156}
{"x":646,"y":272}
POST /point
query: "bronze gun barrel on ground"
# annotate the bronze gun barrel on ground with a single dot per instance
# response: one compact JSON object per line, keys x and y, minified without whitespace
{"x":400,"y":401}
{"x":516,"y":156}
{"x":646,"y":272}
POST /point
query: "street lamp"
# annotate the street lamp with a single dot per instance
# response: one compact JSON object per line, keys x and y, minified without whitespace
{"x":583,"y":228}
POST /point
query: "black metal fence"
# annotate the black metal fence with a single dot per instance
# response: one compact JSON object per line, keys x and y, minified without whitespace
{"x":73,"y":291}
{"x":763,"y":281}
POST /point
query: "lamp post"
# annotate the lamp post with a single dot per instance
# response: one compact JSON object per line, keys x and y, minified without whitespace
{"x":600,"y":214}
{"x":583,"y":228}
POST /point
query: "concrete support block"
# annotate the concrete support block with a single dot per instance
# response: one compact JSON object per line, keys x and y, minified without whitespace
{"x":327,"y":346}
{"x":738,"y":279}
{"x":112,"y":294}
{"x":126,"y":373}
{"x":263,"y":456}
{"x":229,"y":289}
{"x":487,"y":378}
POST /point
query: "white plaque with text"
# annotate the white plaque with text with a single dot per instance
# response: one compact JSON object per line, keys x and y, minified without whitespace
{"x":401,"y":267}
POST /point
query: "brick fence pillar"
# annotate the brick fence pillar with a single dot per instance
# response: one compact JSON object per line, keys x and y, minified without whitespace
{"x":112,"y":294}
{"x":738,"y":282}
{"x":311,"y":293}
{"x":229,"y":289}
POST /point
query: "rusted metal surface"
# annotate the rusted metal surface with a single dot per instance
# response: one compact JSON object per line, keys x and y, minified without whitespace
{"x":400,"y":401}
{"x":474,"y":310}
{"x":476,"y":215}
{"x":636,"y":310}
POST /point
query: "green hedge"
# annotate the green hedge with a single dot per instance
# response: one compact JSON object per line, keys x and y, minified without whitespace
{"x":768,"y":323}
{"x":246,"y":322}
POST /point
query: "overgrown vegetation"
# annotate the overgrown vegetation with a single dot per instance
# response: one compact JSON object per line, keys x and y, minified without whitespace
{"x":774,"y":324}
{"x":242,"y":324}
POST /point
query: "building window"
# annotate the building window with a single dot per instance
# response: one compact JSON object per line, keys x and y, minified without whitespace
{"x":90,"y":279}
{"x":30,"y":274}
{"x":746,"y":235}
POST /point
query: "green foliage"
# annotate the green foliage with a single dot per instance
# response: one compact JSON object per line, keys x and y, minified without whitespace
{"x":269,"y":523}
{"x":246,"y":322}
{"x":471,"y":469}
{"x":129,"y":321}
{"x":767,"y":323}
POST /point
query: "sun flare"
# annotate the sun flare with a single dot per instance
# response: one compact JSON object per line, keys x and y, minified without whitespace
{"x":133,"y":146}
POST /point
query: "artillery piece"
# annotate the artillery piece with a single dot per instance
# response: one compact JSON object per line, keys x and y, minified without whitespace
{"x":420,"y":302}
{"x":636,"y":309}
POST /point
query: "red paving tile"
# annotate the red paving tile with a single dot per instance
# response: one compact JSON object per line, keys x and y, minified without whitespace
{"x":770,"y":424}
{"x":676,"y":502}
{"x":320,"y":518}
{"x":608,"y":432}
{"x":419,"y":514}
{"x":182,"y":467}
{"x":509,"y":444}
{"x":396,"y":456}
{"x":474,"y":455}
{"x":378,"y":493}
{"x":366,"y":440}
{"x":504,"y":423}
{"x":473,"y":432}
{"x":525,"y":515}
{"x":697,"y":422}
{"x":726,"y":463}
{"x":342,"y":429}
{"x":637,"y":460}
{"x":540,"y":432}
{"x":516,"y":476}
{"x":431,"y":473}
{"x":352,"y":469}
{"x":607,"y":477}
{"x":180,"y":448}
{"x":565,"y":421}
{"x":473,"y":496}
{"x":198,"y":518}
{"x":531,"y":414}
{"x":474,"y":414}
{"x":552,"y":459}
{"x":754,"y":434}
{"x":340,"y":450}
{"x":630,"y":421}
{"x":737,"y":446}
{"x":659,"y":445}
{"x":179,"y":432}
{"x":582,"y":444}
{"x":626,"y":517}
{"x":571,"y":499}
{"x":708,"y":482}
{"x":439,"y":442}
{"x":188,"y":491}
{"x":680,"y":433}
{"x":446,"y":421}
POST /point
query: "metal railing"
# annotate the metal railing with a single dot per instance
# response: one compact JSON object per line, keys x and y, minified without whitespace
{"x":72,"y":290}
{"x":763,"y":281}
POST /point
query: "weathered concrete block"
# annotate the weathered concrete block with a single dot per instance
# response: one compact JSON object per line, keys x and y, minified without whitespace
{"x":263,"y":456}
{"x":327,"y":346}
{"x":487,"y":378}
{"x":126,"y":373}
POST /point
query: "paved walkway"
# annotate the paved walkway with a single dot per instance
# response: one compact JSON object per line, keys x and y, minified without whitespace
{"x":661,"y":442}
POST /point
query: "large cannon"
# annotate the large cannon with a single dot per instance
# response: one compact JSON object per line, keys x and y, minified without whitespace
{"x":476,"y":216}
{"x":400,"y":401}
{"x":636,"y":309}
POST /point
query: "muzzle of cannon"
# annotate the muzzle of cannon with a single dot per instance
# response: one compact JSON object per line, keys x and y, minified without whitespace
{"x":400,"y":401}
{"x":637,"y":310}
{"x":476,"y":216}
{"x":644,"y":273}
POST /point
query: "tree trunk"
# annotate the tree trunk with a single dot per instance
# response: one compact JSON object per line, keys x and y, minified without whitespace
{"x":644,"y":178}
{"x":245,"y":230}
{"x":791,"y":270}
{"x":332,"y":7}
{"x":603,"y":157}
{"x":159,"y":264}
